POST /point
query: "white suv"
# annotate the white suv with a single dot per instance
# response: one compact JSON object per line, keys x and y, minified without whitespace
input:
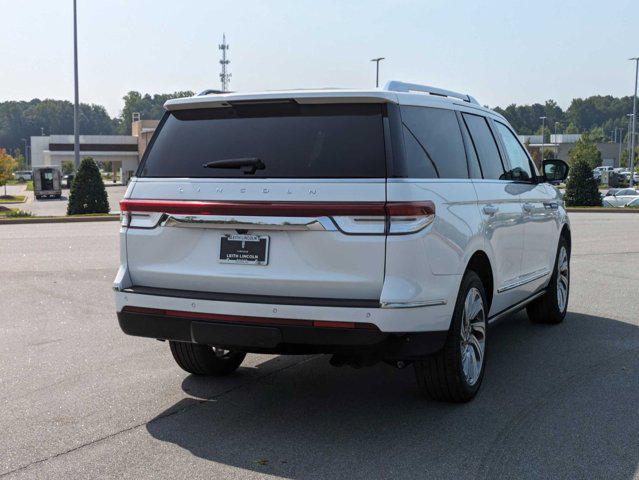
{"x":389,"y":225}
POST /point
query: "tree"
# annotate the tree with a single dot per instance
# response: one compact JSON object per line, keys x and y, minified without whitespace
{"x":67,"y":167}
{"x":106,"y":166}
{"x":582,"y":189}
{"x":585,"y":149}
{"x":7,"y":167}
{"x":571,"y":129}
{"x":88,"y":194}
{"x":149,"y":107}
{"x":21,"y":119}
{"x":623,"y":162}
{"x":20,"y":160}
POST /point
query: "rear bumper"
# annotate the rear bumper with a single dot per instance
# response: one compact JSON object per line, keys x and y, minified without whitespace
{"x":406,"y":318}
{"x":276,"y":335}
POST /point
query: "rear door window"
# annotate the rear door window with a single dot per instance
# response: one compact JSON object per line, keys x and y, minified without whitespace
{"x":436,"y":131}
{"x":485,"y":146}
{"x":291,"y":140}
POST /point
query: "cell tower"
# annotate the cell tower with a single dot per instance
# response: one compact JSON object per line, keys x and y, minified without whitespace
{"x":225,"y":77}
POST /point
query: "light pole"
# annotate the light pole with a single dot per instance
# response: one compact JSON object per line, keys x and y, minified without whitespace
{"x":543,"y":123}
{"x":634,"y":121}
{"x":620,"y":144}
{"x":26,"y":157}
{"x":76,"y":128}
{"x":629,"y":115}
{"x":377,"y":60}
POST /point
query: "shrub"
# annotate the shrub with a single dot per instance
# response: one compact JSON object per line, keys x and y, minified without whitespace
{"x":582,"y":189}
{"x":585,"y":149}
{"x":88,"y":194}
{"x":19,"y":213}
{"x":67,"y":167}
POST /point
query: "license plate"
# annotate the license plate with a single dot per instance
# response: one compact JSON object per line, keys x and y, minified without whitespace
{"x":244,"y":249}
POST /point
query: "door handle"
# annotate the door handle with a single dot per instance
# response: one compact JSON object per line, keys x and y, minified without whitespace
{"x":528,"y":207}
{"x":490,"y":209}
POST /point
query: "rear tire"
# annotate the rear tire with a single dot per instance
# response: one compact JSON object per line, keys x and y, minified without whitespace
{"x":205,"y":360}
{"x":551,"y":307}
{"x":455,"y":373}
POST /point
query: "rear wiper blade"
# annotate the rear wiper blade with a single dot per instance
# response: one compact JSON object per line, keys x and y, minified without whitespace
{"x":247,"y":165}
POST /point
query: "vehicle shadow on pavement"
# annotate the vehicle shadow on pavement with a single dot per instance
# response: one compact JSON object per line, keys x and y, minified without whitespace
{"x":557,"y":402}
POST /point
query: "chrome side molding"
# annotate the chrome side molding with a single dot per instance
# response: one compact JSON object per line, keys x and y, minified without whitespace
{"x":518,"y":282}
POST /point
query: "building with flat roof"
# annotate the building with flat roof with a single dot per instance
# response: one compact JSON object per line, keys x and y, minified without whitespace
{"x":561,"y":144}
{"x":123,"y":152}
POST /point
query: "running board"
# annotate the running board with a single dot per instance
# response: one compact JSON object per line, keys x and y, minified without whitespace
{"x":518,"y":306}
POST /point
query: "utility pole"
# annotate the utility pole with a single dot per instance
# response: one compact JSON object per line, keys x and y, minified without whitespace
{"x":76,"y":114}
{"x":634,"y":121}
{"x":377,"y":60}
{"x":620,"y":144}
{"x":543,"y":123}
{"x":225,"y":77}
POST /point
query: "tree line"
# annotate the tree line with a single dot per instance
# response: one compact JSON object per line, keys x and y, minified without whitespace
{"x":23,"y":119}
{"x":599,"y":115}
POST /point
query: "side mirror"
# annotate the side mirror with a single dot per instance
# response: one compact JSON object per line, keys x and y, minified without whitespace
{"x":554,"y":170}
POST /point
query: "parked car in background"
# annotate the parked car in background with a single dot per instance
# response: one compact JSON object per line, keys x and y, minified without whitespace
{"x":23,"y":175}
{"x":67,"y":180}
{"x":633,"y":203}
{"x":597,"y":171}
{"x":620,"y":198}
{"x":609,"y":192}
{"x":386,"y":225}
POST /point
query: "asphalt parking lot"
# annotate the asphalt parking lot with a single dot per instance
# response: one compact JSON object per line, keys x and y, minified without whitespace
{"x":57,"y":207}
{"x":82,"y":400}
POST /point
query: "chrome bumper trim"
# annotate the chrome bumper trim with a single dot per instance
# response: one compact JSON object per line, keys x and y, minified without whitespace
{"x":231,"y":222}
{"x":425,"y":303}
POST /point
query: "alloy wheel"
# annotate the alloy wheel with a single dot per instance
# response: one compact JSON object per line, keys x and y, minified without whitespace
{"x":473,"y":336}
{"x":562,"y":279}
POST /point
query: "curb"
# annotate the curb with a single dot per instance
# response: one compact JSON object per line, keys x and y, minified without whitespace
{"x":601,"y":210}
{"x":103,"y":218}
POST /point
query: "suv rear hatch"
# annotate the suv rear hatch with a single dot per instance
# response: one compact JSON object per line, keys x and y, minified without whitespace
{"x":272,"y":198}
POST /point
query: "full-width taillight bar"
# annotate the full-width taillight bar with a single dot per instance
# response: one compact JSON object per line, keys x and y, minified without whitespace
{"x":279,"y":209}
{"x":421,"y":212}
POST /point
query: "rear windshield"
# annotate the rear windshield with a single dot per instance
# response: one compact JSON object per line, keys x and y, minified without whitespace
{"x":290,"y":141}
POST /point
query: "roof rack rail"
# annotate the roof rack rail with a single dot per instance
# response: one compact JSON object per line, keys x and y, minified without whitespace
{"x":397,"y":86}
{"x":209,"y":91}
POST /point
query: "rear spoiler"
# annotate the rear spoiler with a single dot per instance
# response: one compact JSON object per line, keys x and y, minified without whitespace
{"x":218,"y":100}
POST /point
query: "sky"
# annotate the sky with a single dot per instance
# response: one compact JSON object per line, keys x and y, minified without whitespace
{"x":499,"y":51}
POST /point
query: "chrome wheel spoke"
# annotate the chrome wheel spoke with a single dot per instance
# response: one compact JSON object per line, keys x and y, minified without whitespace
{"x":562,"y":279}
{"x":473,"y":334}
{"x":479,"y":329}
{"x":478,"y":349}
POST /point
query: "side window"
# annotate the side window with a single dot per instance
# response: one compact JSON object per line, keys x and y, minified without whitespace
{"x":485,"y":146}
{"x":519,"y":164}
{"x":473,"y":162}
{"x":437,"y":131}
{"x":418,"y":165}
